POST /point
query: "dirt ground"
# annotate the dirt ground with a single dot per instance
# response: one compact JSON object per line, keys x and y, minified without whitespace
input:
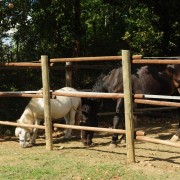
{"x":150,"y":158}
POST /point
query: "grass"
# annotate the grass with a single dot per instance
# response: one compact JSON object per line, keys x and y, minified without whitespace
{"x":71,"y":163}
{"x":41,"y":164}
{"x":67,"y":170}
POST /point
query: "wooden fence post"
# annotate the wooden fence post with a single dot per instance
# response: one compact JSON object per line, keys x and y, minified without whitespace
{"x":46,"y":97}
{"x":128,"y":106}
{"x":69,"y":82}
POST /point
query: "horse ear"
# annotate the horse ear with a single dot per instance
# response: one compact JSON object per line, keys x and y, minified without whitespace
{"x":17,"y":131}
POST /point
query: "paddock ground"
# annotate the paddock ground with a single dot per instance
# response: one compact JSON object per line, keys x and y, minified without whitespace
{"x":153,"y":161}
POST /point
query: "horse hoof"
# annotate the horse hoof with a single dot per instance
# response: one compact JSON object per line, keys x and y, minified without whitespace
{"x":84,"y":143}
{"x":90,"y":144}
{"x":26,"y":145}
{"x":31,"y":145}
{"x":123,"y":141}
{"x":174,"y":138}
{"x":112,"y":145}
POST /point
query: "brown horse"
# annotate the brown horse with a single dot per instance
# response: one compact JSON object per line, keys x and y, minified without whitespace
{"x":146,"y":80}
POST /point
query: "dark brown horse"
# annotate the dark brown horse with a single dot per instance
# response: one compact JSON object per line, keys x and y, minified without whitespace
{"x":145,"y":80}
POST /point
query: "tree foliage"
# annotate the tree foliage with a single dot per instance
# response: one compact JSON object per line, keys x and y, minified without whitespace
{"x":71,"y":28}
{"x":98,"y":27}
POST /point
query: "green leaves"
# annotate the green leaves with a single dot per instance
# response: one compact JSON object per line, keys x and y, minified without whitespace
{"x":141,"y":33}
{"x":101,"y":27}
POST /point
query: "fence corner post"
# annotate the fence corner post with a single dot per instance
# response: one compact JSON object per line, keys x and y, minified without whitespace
{"x":128,"y":106}
{"x":47,"y":106}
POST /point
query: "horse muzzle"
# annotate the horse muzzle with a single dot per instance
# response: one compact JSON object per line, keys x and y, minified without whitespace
{"x":83,"y":120}
{"x":25,"y":144}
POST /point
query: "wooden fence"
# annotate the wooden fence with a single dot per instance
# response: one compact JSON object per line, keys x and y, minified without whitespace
{"x":126,"y":61}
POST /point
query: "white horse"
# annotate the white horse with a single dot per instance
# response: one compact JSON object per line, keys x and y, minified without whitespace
{"x":61,"y":106}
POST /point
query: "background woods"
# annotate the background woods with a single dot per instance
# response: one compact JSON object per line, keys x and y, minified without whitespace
{"x":61,"y":28}
{"x":100,"y":27}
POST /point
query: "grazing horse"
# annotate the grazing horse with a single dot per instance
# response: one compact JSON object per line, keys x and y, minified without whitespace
{"x":61,"y":106}
{"x":145,"y":80}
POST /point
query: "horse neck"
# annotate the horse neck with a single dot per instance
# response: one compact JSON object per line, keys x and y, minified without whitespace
{"x":27,"y":117}
{"x":98,"y":86}
{"x":111,"y":82}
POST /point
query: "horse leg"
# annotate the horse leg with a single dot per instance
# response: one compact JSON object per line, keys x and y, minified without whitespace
{"x":84,"y":137}
{"x":35,"y":132}
{"x":176,"y":137}
{"x":70,"y":120}
{"x":90,"y":134}
{"x":117,"y":121}
{"x":87,"y":136}
{"x":67,"y":119}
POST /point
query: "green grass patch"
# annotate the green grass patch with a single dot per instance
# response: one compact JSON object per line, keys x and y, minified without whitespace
{"x":69,"y":164}
{"x":53,"y":166}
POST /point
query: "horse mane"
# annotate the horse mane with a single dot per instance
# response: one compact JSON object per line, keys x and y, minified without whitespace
{"x":98,"y":86}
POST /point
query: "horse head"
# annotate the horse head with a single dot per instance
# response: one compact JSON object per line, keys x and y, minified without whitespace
{"x":85,"y":113}
{"x":24,"y":137}
{"x":90,"y":109}
{"x":175,"y":69}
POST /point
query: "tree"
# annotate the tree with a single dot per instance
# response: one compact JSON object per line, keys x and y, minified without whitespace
{"x":97,"y":27}
{"x":141,"y":34}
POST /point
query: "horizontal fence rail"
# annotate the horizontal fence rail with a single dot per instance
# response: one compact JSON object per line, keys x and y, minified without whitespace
{"x":100,"y":58}
{"x":155,"y":61}
{"x":2,"y":94}
{"x":157,"y":103}
{"x":135,"y":59}
{"x":31,"y":94}
{"x":88,"y":94}
{"x":157,"y":141}
{"x":65,"y":93}
{"x":21,"y":125}
{"x":23,"y":92}
{"x":150,"y":96}
{"x":138,"y":97}
{"x":117,"y":96}
{"x":119,"y":131}
{"x":21,"y":64}
{"x":167,"y":57}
